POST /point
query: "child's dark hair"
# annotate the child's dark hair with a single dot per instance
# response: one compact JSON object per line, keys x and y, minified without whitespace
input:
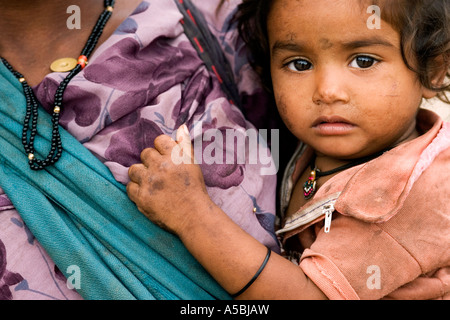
{"x":424,"y":27}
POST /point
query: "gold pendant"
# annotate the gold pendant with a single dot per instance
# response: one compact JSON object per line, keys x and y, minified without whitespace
{"x":63,"y":65}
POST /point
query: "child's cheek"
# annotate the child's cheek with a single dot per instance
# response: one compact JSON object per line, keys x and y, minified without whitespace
{"x":283,"y":110}
{"x":394,"y":89}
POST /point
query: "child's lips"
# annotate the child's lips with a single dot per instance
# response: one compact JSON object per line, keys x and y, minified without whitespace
{"x":333,"y":126}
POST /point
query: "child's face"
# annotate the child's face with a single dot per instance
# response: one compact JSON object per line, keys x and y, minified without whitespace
{"x":340,"y":86}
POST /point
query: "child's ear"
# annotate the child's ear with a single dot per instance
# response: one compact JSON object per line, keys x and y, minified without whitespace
{"x":437,"y":77}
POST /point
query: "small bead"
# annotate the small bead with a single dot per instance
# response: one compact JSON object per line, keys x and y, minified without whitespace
{"x":82,"y":61}
{"x":22,"y":80}
{"x":31,"y":157}
{"x":255,"y":210}
{"x":57,"y":110}
{"x":109,"y":8}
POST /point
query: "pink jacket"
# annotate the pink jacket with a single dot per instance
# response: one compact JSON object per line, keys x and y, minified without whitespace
{"x":390,"y":228}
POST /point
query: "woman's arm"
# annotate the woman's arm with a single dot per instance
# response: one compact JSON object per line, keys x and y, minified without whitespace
{"x":174,"y":196}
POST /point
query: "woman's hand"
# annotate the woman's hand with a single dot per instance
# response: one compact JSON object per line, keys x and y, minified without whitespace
{"x":168,"y":187}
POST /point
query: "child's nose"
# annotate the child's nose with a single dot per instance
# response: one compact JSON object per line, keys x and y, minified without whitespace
{"x":330,"y":86}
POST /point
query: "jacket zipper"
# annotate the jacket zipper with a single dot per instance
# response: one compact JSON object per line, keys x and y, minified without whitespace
{"x":328,"y":212}
{"x":325,"y":210}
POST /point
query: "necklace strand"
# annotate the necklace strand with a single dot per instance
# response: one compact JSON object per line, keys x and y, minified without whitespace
{"x":310,"y":186}
{"x":30,"y":122}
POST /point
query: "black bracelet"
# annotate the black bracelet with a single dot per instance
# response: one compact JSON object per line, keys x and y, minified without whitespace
{"x":255,"y":276}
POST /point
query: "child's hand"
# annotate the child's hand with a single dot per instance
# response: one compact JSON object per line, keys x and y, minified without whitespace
{"x":168,"y":187}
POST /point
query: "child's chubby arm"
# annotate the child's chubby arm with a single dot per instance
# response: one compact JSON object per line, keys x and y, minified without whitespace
{"x":173,"y":195}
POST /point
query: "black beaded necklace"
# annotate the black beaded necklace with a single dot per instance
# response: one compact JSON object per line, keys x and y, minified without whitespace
{"x":30,"y":122}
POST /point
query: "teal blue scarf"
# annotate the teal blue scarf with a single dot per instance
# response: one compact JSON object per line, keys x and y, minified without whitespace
{"x":83,"y":218}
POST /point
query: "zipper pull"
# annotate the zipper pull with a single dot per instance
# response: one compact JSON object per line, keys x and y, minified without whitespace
{"x":328,"y":212}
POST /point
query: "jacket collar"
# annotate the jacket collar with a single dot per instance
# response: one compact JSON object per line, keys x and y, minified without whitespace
{"x":387,"y":180}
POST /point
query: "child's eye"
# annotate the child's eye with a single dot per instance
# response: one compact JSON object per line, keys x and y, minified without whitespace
{"x":299,"y":65}
{"x":363,"y":62}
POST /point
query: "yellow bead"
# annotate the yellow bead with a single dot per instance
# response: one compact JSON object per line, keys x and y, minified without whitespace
{"x":109,"y":8}
{"x":57,"y":110}
{"x":22,"y":80}
{"x":255,"y":210}
{"x":31,"y":157}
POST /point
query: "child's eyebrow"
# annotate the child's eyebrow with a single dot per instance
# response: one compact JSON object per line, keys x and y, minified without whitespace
{"x":360,"y":43}
{"x":347,"y":45}
{"x":285,"y":46}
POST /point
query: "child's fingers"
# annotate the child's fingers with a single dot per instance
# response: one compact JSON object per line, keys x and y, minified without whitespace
{"x":133,"y":191}
{"x":149,"y":156}
{"x":184,"y":142}
{"x":135,"y":172}
{"x":164,"y":144}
